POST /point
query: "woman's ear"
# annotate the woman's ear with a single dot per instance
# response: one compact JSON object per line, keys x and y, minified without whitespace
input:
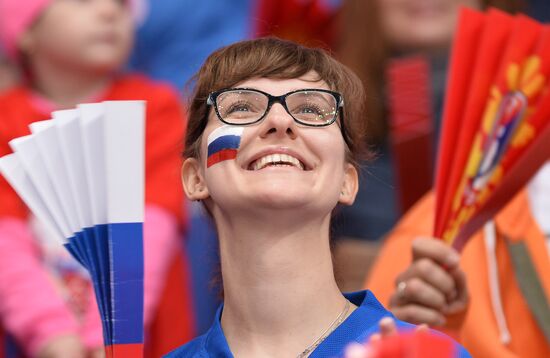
{"x":350,"y":185}
{"x":193,"y":181}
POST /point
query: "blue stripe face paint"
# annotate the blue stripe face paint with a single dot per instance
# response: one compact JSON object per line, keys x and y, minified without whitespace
{"x":223,"y":144}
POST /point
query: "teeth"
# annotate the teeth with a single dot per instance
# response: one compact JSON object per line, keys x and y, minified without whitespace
{"x":277,"y":159}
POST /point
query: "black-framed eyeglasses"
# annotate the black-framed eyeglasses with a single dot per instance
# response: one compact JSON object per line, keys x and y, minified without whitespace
{"x":309,"y":107}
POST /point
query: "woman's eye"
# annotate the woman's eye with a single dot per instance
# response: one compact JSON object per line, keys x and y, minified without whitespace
{"x":310,"y":109}
{"x":239,"y":107}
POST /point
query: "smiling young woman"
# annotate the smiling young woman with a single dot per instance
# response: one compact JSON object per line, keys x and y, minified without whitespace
{"x":273,"y":138}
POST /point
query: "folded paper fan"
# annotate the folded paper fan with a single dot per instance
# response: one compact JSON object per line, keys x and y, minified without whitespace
{"x":82,"y":174}
{"x":495,"y":119}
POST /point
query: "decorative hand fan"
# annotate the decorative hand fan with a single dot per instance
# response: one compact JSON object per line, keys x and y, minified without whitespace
{"x":495,"y":121}
{"x":82,"y":174}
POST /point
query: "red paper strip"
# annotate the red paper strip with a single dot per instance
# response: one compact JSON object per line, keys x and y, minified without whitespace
{"x":494,"y":35}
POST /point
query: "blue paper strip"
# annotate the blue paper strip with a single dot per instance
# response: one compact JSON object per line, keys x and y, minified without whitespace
{"x":92,"y":243}
{"x":85,"y":245}
{"x":71,"y":247}
{"x":126,"y":254}
{"x":102,"y":241}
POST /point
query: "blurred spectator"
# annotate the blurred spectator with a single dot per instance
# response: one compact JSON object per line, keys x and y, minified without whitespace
{"x":382,"y":41}
{"x":396,"y":29}
{"x":494,"y":296}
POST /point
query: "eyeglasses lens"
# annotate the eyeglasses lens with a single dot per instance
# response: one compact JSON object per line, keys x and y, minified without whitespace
{"x":314,"y":108}
{"x":241,"y":106}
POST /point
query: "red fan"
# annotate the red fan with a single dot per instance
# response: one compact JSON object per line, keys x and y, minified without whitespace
{"x":495,"y":122}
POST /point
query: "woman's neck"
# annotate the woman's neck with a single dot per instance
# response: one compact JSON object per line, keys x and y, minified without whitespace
{"x":66,"y":86}
{"x":280,"y":294}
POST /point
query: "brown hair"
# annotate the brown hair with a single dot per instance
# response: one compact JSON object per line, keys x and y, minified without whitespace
{"x":279,"y":59}
{"x":364,"y":49}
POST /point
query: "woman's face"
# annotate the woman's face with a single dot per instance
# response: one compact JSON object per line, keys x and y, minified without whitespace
{"x":411,"y":25}
{"x":315,"y":172}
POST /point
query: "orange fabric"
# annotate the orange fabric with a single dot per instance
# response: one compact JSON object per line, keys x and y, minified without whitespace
{"x":479,"y":333}
{"x":164,"y":139}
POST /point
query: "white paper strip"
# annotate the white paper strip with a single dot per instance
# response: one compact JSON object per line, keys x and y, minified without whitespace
{"x":12,"y":169}
{"x":26,"y":150}
{"x":124,"y":123}
{"x":66,"y":123}
{"x":48,"y":143}
{"x":91,"y":129}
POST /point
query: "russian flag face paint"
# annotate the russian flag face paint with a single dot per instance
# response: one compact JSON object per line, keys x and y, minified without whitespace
{"x":223,"y":144}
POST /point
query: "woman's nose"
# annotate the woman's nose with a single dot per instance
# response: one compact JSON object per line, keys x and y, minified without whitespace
{"x":279,"y":123}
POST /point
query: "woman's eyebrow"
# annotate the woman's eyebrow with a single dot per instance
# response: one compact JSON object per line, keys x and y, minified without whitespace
{"x":318,"y":95}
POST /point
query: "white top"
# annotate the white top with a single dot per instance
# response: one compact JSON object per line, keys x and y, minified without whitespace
{"x":539,"y":199}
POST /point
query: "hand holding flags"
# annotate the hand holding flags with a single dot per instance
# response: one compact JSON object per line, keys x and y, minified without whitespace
{"x":495,"y":122}
{"x":82,"y":174}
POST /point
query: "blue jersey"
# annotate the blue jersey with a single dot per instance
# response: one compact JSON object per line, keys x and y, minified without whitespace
{"x":358,"y":327}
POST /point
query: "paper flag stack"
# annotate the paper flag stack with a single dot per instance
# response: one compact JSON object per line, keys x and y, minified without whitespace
{"x":82,"y":174}
{"x":496,"y":119}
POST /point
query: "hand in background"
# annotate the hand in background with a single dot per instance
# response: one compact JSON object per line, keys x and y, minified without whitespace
{"x":433,"y":289}
{"x":67,"y":346}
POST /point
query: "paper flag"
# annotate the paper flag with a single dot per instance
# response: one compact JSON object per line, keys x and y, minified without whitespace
{"x":495,"y":119}
{"x":82,"y":174}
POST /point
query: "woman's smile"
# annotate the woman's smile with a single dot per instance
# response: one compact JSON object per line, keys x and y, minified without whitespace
{"x":277,"y":157}
{"x":277,"y":161}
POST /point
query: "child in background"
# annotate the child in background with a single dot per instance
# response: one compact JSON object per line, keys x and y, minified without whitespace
{"x":70,"y":52}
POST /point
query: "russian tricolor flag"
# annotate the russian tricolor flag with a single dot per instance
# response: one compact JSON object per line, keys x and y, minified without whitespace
{"x":82,"y":174}
{"x":223,"y":144}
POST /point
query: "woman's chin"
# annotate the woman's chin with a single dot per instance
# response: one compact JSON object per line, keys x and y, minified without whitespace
{"x":290,"y":202}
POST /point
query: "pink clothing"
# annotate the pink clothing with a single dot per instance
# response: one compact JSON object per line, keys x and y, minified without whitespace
{"x":161,"y":230}
{"x":29,"y":304}
{"x":15,"y":17}
{"x":34,"y":312}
